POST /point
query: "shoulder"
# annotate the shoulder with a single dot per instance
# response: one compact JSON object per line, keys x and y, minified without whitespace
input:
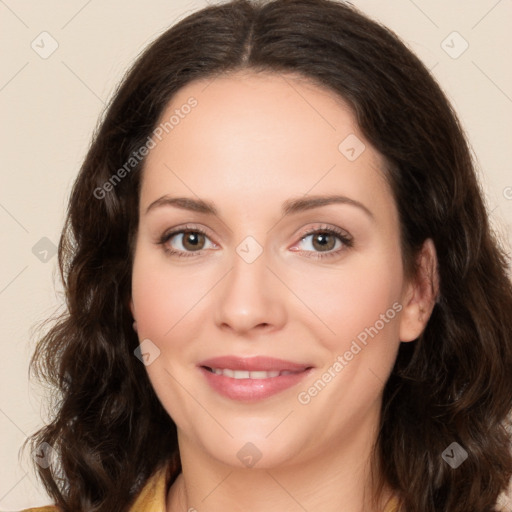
{"x":392,"y":505}
{"x":46,"y":508}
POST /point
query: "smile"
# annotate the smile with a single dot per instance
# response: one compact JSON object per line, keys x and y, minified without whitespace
{"x":244,"y":374}
{"x":252,"y":379}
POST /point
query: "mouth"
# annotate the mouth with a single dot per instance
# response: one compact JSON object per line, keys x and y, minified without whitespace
{"x":245,"y":374}
{"x":252,"y":379}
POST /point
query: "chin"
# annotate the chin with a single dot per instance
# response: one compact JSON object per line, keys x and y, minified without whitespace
{"x":254,"y":450}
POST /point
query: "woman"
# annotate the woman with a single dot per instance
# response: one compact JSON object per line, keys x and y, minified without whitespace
{"x":282,"y":286}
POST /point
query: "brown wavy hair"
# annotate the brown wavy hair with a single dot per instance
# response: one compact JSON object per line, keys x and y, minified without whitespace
{"x":452,"y":384}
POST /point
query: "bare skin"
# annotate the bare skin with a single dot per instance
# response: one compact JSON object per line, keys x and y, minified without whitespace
{"x":252,"y":143}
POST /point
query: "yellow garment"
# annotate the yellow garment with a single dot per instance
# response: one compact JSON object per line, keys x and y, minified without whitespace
{"x":392,"y":505}
{"x":153,"y":496}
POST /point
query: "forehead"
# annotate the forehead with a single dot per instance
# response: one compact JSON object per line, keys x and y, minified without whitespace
{"x":251,"y":134}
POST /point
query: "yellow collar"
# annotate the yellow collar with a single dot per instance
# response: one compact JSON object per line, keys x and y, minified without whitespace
{"x":153,"y":496}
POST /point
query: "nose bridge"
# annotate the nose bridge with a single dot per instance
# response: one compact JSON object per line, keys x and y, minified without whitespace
{"x":250,"y":295}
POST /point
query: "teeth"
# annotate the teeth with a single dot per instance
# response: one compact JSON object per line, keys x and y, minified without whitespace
{"x":244,"y":374}
{"x":263,"y":375}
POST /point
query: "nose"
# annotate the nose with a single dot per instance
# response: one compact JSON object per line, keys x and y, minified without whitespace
{"x":250,"y":297}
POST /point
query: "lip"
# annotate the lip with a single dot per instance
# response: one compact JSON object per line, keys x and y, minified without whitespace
{"x":249,"y":390}
{"x":255,"y":363}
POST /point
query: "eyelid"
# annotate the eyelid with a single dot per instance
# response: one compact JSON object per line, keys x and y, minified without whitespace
{"x":170,"y":233}
{"x":319,"y":227}
{"x":346,"y":239}
{"x":343,"y":235}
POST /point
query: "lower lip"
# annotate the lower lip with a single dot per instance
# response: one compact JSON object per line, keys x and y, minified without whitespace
{"x":252,"y":389}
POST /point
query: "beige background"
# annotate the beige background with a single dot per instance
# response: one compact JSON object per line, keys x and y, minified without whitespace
{"x":50,"y":107}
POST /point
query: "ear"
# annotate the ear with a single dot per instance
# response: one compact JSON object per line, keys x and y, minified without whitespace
{"x":420,"y":294}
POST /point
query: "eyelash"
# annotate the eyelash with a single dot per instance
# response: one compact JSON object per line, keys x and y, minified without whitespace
{"x":342,"y":236}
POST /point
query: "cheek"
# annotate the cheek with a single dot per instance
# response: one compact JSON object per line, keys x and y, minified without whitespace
{"x":350,"y":301}
{"x":166,"y":309}
{"x":164,"y":298}
{"x":361,"y":309}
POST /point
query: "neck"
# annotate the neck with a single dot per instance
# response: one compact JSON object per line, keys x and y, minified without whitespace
{"x":336,"y":479}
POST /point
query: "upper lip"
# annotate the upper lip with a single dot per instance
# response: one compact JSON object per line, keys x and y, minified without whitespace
{"x":255,"y":363}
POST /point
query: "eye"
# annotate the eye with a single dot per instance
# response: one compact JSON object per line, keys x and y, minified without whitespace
{"x":325,"y":242}
{"x":184,"y":241}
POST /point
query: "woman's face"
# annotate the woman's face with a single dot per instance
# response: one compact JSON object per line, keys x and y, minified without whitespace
{"x":280,"y":273}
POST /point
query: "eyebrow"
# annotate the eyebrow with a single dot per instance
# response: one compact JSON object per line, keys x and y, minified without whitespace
{"x":290,"y":206}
